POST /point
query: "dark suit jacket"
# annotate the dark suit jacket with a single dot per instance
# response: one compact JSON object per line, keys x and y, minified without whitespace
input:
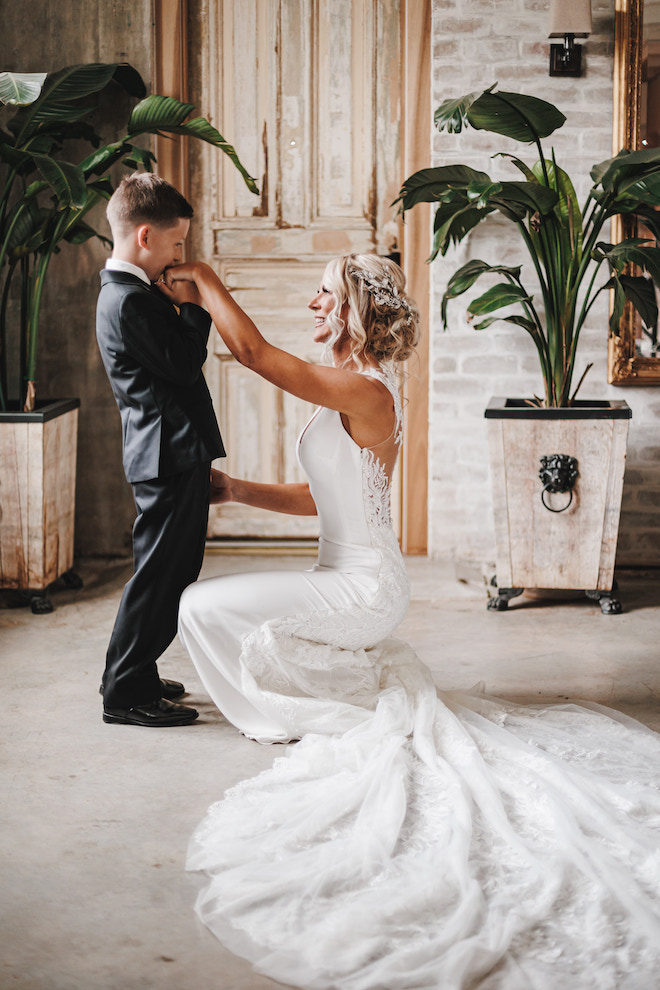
{"x":154,"y":356}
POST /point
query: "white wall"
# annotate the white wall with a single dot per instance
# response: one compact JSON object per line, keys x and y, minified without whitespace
{"x":475,"y":44}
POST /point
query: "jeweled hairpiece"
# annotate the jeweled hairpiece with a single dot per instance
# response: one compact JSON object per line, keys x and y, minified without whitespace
{"x":381,"y":287}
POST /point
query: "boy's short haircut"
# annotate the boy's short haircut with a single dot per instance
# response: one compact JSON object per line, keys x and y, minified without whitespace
{"x":145,"y":198}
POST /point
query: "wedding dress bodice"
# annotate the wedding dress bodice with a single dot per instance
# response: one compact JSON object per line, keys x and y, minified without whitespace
{"x":411,"y":840}
{"x":348,"y":483}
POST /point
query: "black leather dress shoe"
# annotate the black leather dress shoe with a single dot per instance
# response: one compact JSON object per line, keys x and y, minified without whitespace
{"x":161,"y":712}
{"x":171,"y":689}
{"x":168,"y":689}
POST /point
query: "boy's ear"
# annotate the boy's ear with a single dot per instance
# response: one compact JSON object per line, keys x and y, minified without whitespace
{"x":143,"y":235}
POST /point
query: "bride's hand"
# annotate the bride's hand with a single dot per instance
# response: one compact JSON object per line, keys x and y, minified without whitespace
{"x":185,"y":272}
{"x":221,"y":488}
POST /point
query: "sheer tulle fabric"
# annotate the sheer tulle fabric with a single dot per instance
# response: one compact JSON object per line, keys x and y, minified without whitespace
{"x":411,"y":839}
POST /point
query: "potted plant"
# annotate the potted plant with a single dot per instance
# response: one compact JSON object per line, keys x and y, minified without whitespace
{"x":556,"y":521}
{"x":45,"y":200}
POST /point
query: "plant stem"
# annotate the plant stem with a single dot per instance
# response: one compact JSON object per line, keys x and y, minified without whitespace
{"x":4,"y":394}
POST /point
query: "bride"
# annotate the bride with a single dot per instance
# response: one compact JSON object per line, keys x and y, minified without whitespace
{"x":412,"y":839}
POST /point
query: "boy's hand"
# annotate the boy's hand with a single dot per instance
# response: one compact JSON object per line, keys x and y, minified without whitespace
{"x":180,"y":292}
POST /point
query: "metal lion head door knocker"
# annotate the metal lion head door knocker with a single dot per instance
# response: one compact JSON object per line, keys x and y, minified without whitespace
{"x":558,"y":474}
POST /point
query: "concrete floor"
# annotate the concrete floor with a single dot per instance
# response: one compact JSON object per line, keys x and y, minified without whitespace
{"x":96,"y":818}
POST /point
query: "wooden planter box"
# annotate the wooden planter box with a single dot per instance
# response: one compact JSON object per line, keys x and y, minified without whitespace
{"x":37,"y":494}
{"x":546,"y":545}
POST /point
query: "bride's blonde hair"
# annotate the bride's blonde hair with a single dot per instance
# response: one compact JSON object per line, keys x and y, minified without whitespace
{"x":382,"y":321}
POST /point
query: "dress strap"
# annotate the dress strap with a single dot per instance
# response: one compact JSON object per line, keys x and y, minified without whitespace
{"x":390,"y":382}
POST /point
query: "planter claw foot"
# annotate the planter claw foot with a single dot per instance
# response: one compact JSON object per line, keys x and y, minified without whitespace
{"x":40,"y":605}
{"x":501,"y":600}
{"x":608,"y":604}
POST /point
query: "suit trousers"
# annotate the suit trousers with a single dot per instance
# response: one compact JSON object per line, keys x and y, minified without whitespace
{"x":168,"y":548}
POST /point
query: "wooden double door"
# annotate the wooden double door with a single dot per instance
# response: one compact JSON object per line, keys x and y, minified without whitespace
{"x":310,"y":93}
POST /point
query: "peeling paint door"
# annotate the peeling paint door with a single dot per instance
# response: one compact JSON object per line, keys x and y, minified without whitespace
{"x":308,"y":91}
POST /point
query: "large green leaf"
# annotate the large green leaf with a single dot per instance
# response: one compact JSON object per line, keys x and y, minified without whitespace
{"x":567,"y":207}
{"x":140,"y":158}
{"x":73,"y":82}
{"x":427,"y":185}
{"x":567,"y":210}
{"x":200,"y":128}
{"x":66,"y":180}
{"x":633,"y":251}
{"x":453,"y":221}
{"x":529,"y":195}
{"x":81,"y":232}
{"x":158,"y":114}
{"x":520,"y":321}
{"x":479,"y":193}
{"x":467,"y":275}
{"x":522,"y":118}
{"x":13,"y":156}
{"x":524,"y":168}
{"x":451,"y":115}
{"x":27,"y":222}
{"x":610,"y":173}
{"x":637,"y":290}
{"x":20,"y":88}
{"x":650,"y":218}
{"x":498,"y":296}
{"x":104,"y":158}
{"x":639,"y":189}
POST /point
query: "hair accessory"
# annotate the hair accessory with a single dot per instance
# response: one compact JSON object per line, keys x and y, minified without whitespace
{"x":382,"y":288}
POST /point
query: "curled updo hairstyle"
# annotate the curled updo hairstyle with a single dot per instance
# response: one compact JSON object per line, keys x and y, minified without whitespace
{"x":381,"y":320}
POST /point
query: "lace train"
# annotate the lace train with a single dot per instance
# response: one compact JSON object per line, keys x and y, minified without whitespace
{"x":450,"y":842}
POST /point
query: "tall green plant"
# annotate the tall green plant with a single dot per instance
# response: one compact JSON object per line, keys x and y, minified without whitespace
{"x":45,"y":199}
{"x":562,"y":239}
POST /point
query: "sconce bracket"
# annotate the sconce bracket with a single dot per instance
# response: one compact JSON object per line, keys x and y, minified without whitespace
{"x":566,"y":60}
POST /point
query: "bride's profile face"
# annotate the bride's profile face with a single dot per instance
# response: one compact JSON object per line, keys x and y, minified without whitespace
{"x":322,"y":306}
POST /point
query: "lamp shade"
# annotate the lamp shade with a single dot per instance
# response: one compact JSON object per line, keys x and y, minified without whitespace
{"x":570,"y":17}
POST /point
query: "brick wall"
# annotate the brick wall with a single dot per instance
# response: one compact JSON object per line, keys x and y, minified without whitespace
{"x":475,"y":44}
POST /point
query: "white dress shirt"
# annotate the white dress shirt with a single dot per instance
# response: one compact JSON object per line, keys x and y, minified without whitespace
{"x":117,"y":265}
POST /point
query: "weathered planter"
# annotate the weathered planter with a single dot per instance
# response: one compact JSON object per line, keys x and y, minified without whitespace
{"x":559,"y":532}
{"x":37,"y":496}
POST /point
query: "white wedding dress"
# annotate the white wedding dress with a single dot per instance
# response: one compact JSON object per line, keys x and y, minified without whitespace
{"x":412,"y":839}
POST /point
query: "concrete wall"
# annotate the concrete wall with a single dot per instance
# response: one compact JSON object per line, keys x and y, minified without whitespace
{"x":475,"y":44}
{"x":45,"y":35}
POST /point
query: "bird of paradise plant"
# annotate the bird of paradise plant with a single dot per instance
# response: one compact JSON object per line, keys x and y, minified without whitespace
{"x":45,"y":199}
{"x":562,"y":240}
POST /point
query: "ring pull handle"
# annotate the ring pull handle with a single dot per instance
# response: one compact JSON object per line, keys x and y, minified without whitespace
{"x":558,"y":474}
{"x":549,"y":507}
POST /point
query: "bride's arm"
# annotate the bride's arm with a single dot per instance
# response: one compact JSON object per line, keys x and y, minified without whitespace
{"x":361,"y":398}
{"x":295,"y":499}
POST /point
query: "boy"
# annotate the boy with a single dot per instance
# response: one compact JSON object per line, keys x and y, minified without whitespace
{"x":153,"y":356}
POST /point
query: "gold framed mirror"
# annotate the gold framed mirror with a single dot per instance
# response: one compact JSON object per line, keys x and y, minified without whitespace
{"x":634,"y":358}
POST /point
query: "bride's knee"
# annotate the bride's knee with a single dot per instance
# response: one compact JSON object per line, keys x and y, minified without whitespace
{"x":201,"y":605}
{"x":190,"y":605}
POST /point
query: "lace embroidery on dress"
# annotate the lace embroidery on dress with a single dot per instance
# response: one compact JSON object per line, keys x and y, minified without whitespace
{"x":376,"y":484}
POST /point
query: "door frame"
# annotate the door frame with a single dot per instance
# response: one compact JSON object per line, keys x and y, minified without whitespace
{"x":170,"y":75}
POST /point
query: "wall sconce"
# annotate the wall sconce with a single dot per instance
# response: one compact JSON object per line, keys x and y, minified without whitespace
{"x":569,"y":19}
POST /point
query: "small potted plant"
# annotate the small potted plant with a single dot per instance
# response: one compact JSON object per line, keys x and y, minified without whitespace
{"x":45,"y":200}
{"x":557,"y":462}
